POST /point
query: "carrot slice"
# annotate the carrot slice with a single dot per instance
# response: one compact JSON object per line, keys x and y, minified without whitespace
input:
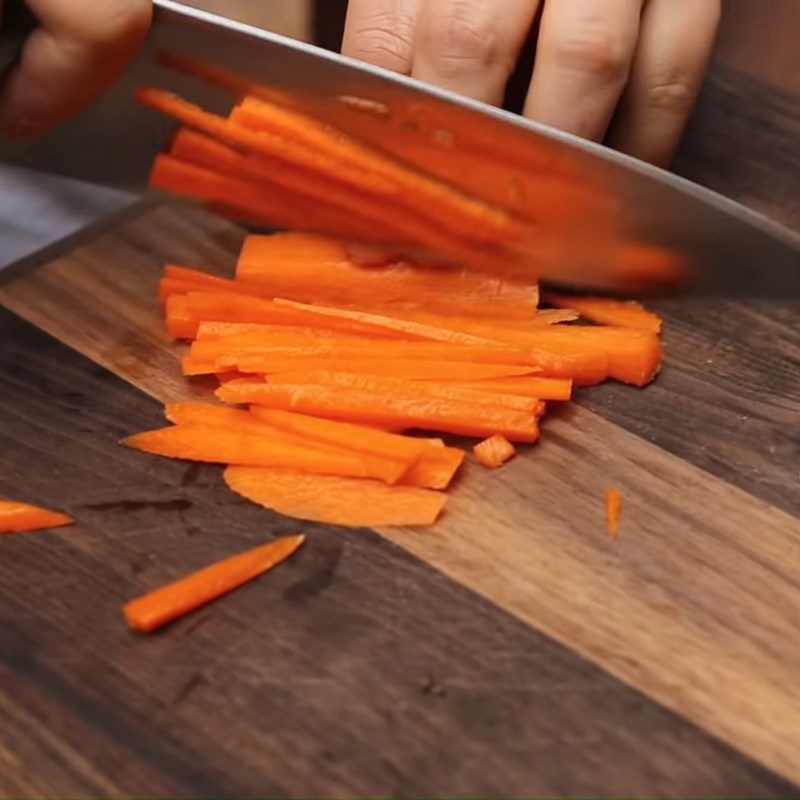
{"x":409,"y":328}
{"x":224,"y":446}
{"x":163,"y":605}
{"x":16,"y":517}
{"x":336,"y":501}
{"x":215,"y":306}
{"x":494,"y":451}
{"x":179,"y":322}
{"x":311,"y":268}
{"x":543,"y":388}
{"x":613,"y":510}
{"x":392,"y":411}
{"x":621,"y":313}
{"x":458,"y":391}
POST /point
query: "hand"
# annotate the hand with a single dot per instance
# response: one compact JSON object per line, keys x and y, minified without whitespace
{"x":78,"y":50}
{"x":624,"y":71}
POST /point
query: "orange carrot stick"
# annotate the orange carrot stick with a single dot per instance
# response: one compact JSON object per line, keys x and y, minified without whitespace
{"x":16,"y":517}
{"x":220,"y":446}
{"x":494,"y":451}
{"x":621,"y":313}
{"x":543,"y":388}
{"x":613,"y":510}
{"x":163,"y":605}
{"x":394,"y":411}
{"x":455,"y":390}
{"x":336,"y":501}
{"x":410,"y":329}
{"x":437,"y":467}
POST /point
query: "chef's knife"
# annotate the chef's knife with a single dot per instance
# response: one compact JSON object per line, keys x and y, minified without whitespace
{"x":584,"y":203}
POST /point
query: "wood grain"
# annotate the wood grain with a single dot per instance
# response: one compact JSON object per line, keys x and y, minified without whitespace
{"x":696,"y":605}
{"x":353,"y":670}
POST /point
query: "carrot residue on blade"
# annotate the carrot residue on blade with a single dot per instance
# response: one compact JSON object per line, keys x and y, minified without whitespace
{"x":335,"y":501}
{"x":16,"y":517}
{"x":163,"y":605}
{"x":494,"y":451}
{"x":613,"y":510}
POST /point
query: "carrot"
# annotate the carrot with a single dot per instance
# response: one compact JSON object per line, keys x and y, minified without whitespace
{"x":494,"y":451}
{"x":437,"y":467}
{"x":16,"y":517}
{"x":429,"y":465}
{"x":471,"y":219}
{"x":458,"y":391}
{"x":449,"y":207}
{"x":207,"y":306}
{"x":166,"y":604}
{"x":218,"y":445}
{"x":311,"y":268}
{"x":335,"y":501}
{"x":254,"y":201}
{"x":621,"y":313}
{"x":613,"y":509}
{"x":408,"y":328}
{"x":392,"y":411}
{"x":543,"y":388}
{"x":179,"y":322}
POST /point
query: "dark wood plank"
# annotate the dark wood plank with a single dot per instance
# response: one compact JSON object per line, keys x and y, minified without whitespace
{"x":353,"y":670}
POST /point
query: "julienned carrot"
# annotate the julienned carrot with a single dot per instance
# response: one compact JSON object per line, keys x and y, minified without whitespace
{"x":613,"y":509}
{"x":543,"y":388}
{"x":317,"y":269}
{"x":621,"y":313}
{"x":448,"y":206}
{"x":394,"y":411}
{"x":225,"y":446}
{"x":317,"y":201}
{"x":409,"y":329}
{"x":352,"y":184}
{"x":163,"y":605}
{"x":430,"y":464}
{"x":16,"y":517}
{"x":180,"y":324}
{"x":213,"y":306}
{"x":457,"y":391}
{"x":494,"y":451}
{"x":336,"y":501}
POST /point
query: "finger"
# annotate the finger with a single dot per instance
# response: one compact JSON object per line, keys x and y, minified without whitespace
{"x":381,"y":32}
{"x":471,"y":46}
{"x":674,"y":47}
{"x":583,"y":57}
{"x":79,"y":49}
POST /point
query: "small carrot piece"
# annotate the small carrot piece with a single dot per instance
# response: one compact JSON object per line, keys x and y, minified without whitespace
{"x":613,"y":510}
{"x":494,"y":451}
{"x":620,"y":313}
{"x":157,"y":608}
{"x":225,"y":446}
{"x":436,"y":469}
{"x":336,"y":501}
{"x":16,"y":517}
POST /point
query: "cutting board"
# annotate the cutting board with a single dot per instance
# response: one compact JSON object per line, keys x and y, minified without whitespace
{"x":513,"y":649}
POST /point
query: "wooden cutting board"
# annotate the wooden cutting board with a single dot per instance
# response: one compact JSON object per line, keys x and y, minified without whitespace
{"x":513,"y":650}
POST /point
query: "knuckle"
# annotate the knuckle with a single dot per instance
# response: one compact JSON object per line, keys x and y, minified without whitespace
{"x":384,"y":39}
{"x":676,"y":95}
{"x":464,"y":39}
{"x":593,"y":50}
{"x":120,"y":22}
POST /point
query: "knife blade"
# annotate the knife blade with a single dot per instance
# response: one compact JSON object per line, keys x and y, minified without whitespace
{"x":587,"y":210}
